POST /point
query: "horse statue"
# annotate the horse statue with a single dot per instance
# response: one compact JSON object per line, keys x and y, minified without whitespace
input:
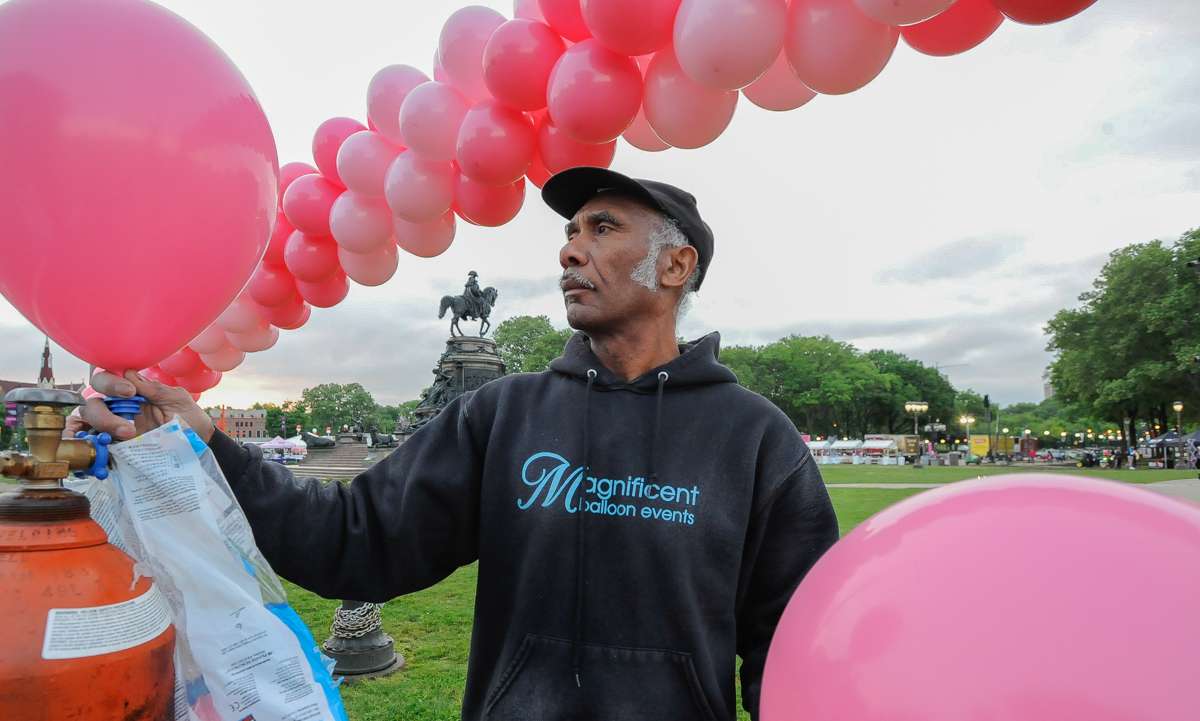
{"x":464,"y":307}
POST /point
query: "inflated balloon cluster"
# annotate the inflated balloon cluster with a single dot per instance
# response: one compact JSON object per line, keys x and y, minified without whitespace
{"x":525,"y":98}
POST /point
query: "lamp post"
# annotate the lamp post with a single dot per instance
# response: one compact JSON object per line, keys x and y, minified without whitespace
{"x":967,"y":421}
{"x":1178,"y":406}
{"x":916,"y":408}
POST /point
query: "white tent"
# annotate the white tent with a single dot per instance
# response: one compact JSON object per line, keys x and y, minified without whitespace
{"x":846,"y":445}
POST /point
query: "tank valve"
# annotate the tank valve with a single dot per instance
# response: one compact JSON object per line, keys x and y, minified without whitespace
{"x":51,"y":458}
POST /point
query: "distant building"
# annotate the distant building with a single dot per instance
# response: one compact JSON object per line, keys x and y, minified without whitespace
{"x":45,"y":377}
{"x":241,"y":424}
{"x":1047,"y":388}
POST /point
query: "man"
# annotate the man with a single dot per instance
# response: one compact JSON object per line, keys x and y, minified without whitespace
{"x":639,"y":519}
{"x":473,"y":295}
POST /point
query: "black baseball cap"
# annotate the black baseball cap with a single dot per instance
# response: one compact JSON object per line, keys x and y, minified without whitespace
{"x":571,"y":189}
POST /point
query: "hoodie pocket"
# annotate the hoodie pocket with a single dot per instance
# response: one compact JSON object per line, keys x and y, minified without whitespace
{"x":617,"y":682}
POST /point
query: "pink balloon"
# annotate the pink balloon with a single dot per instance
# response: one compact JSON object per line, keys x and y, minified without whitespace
{"x":363,"y":162}
{"x":902,"y":12}
{"x":370,"y":269}
{"x":495,"y":144}
{"x":279,"y":235}
{"x":727,"y":44}
{"x":779,"y":88}
{"x":594,"y":93}
{"x":630,"y":27}
{"x":271,"y":286}
{"x":225,"y":359}
{"x":310,"y":258}
{"x":360,"y":224}
{"x":528,"y":10}
{"x":325,"y":293}
{"x":834,"y":47}
{"x":308,"y":201}
{"x":933,"y":609}
{"x":426,"y":240}
{"x":255,"y":341}
{"x":517,"y":63}
{"x":439,"y":73}
{"x":419,"y":190}
{"x":385,"y":95}
{"x":537,"y":173}
{"x":289,"y":172}
{"x":328,"y":139}
{"x":639,"y":134}
{"x":681,"y":111}
{"x":566,"y":18}
{"x":558,"y":151}
{"x":966,"y":24}
{"x":488,"y":205}
{"x":291,"y":315}
{"x":211,"y":340}
{"x":241,"y":316}
{"x":460,"y":48}
{"x":154,"y":373}
{"x":430,"y":118}
{"x":128,"y":141}
{"x":181,"y":362}
{"x":204,"y":379}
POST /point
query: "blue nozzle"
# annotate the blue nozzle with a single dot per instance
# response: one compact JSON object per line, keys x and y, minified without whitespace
{"x":99,"y":467}
{"x":127,"y":408}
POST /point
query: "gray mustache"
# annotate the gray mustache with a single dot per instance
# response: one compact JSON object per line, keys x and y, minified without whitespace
{"x":572,"y":274}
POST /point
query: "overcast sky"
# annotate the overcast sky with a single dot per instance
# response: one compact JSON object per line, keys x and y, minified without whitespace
{"x":946,"y":211}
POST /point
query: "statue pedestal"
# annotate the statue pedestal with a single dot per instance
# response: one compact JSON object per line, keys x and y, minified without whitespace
{"x":358,"y":644}
{"x":467,"y":363}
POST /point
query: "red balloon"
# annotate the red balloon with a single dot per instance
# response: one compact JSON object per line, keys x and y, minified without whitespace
{"x":488,"y":205}
{"x":517,"y":62}
{"x":495,"y":144}
{"x":631,"y":27}
{"x":960,"y":28}
{"x":1041,"y":12}
{"x":271,"y":285}
{"x":308,"y":201}
{"x":834,"y":47}
{"x":430,"y":117}
{"x":182,"y":362}
{"x":566,"y":17}
{"x":155,"y":373}
{"x":325,"y":293}
{"x":255,"y":341}
{"x":558,"y":151}
{"x":291,"y":171}
{"x":291,"y":315}
{"x":279,"y":235}
{"x":328,"y":139}
{"x":594,"y":94}
{"x":310,"y":258}
{"x":426,"y":240}
{"x":201,"y":380}
{"x":537,"y":173}
{"x":460,"y":48}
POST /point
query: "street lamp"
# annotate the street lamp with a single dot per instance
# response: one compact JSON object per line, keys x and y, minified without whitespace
{"x":916,"y":408}
{"x":1178,"y":406}
{"x":967,"y":421}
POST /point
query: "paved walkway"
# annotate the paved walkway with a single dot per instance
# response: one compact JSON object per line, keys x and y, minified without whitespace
{"x":1187,"y":488}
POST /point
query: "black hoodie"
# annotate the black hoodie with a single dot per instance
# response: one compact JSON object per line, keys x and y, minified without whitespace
{"x":703,"y":510}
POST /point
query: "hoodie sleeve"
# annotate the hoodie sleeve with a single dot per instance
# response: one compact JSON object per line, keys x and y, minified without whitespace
{"x":401,"y":526}
{"x":786,"y":537}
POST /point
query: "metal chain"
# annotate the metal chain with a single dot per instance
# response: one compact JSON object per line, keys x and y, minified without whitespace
{"x":356,"y":622}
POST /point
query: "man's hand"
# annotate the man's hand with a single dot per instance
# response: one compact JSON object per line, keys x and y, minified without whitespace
{"x":162,"y":404}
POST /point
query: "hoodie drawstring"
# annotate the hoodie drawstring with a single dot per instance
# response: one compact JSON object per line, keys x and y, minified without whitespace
{"x":576,"y":655}
{"x":663,"y":377}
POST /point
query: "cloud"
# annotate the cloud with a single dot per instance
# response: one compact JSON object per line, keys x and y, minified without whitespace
{"x":958,"y":259}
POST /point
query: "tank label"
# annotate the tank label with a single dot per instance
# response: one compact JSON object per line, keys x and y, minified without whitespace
{"x":97,"y":630}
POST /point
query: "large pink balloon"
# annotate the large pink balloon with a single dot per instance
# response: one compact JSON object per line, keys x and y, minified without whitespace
{"x":779,"y":89}
{"x":371,"y":269}
{"x":681,"y":111}
{"x":902,"y":12}
{"x":327,"y":140}
{"x":430,"y":118}
{"x":517,"y":63}
{"x":420,"y":190}
{"x":360,"y":224}
{"x":594,"y":93}
{"x":385,"y":95}
{"x":426,"y":240}
{"x":255,"y":341}
{"x":325,"y":293}
{"x":225,"y":359}
{"x":279,"y":235}
{"x":834,"y":47}
{"x":128,"y":142}
{"x":488,"y":205}
{"x":460,"y":48}
{"x":630,"y":27}
{"x":639,"y":134}
{"x":307,"y":203}
{"x":271,"y":285}
{"x":559,"y":151}
{"x":495,"y":144}
{"x":310,"y":258}
{"x":566,"y":18}
{"x":289,"y":172}
{"x":1008,"y":599}
{"x":363,"y":162}
{"x":727,"y":44}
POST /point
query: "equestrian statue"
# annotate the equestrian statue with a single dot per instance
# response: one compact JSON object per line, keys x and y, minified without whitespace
{"x":473,"y":304}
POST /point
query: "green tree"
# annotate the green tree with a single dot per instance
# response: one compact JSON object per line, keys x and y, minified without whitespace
{"x":528,"y":343}
{"x":910,"y":380}
{"x":335,"y":405}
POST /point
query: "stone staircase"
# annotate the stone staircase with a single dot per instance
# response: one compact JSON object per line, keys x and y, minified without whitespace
{"x":340,"y":463}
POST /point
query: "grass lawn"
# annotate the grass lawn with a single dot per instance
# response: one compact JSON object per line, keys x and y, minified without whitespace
{"x":432,"y":630}
{"x":948,"y":474}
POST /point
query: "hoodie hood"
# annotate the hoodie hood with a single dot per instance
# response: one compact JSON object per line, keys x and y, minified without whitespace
{"x":696,"y":365}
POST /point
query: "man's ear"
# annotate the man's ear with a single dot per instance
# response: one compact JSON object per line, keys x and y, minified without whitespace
{"x":681,"y":261}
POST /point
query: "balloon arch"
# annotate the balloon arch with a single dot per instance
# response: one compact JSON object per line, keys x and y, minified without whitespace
{"x":181,"y":166}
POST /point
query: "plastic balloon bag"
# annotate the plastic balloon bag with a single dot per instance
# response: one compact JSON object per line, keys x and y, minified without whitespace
{"x":241,"y":651}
